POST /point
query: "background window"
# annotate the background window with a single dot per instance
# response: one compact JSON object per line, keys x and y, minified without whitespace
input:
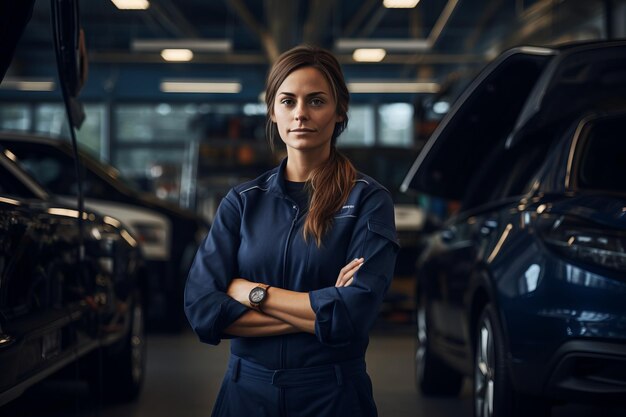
{"x":52,"y":120}
{"x":396,"y":124}
{"x":361,"y":128}
{"x":15,"y":117}
{"x":142,"y":123}
{"x":155,"y":169}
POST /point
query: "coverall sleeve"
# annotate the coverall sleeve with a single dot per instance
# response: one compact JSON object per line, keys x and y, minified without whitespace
{"x":344,"y":314}
{"x":207,"y":306}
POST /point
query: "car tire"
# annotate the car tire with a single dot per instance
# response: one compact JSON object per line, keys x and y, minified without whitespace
{"x":122,"y":366}
{"x":433,"y":376}
{"x":493,"y":393}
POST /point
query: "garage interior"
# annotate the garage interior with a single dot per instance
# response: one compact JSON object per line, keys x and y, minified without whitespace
{"x":188,"y":126}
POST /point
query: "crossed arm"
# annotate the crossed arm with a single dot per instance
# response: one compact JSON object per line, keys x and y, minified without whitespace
{"x":284,"y":311}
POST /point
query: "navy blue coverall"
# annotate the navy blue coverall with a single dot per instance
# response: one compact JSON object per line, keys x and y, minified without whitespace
{"x":257,"y":235}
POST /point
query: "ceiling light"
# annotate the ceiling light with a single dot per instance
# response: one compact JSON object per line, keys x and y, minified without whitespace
{"x":389,"y":45}
{"x":400,"y":4}
{"x":369,"y":55}
{"x":131,"y":4}
{"x":27,"y":84}
{"x":196,"y":45}
{"x":200,"y":86}
{"x":177,"y":55}
{"x":382,"y":87}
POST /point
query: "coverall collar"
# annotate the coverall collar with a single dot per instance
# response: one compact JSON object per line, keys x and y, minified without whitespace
{"x":277,"y":180}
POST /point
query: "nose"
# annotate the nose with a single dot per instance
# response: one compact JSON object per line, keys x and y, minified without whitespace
{"x":301,"y":112}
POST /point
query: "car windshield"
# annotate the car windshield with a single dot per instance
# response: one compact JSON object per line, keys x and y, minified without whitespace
{"x":603,"y":162}
{"x":54,"y":169}
{"x":10,"y":185}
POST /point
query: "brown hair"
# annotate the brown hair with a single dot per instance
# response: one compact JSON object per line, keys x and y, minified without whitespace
{"x":330,"y":184}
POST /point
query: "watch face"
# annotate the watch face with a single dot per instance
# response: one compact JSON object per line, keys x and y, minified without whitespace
{"x":257,"y":294}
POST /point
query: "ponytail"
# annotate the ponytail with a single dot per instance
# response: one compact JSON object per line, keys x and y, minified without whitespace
{"x":329,"y":187}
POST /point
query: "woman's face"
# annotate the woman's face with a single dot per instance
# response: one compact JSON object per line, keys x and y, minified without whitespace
{"x":305,"y":111}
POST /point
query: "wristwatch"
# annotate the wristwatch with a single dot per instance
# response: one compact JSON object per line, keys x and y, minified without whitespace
{"x":257,"y":295}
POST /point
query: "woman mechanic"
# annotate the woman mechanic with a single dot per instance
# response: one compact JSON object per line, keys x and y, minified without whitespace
{"x":297,"y":261}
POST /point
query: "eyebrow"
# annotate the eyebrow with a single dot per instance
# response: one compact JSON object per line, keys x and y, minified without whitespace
{"x":315,"y":93}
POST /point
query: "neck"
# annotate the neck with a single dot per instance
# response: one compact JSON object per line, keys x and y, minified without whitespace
{"x":300,"y":165}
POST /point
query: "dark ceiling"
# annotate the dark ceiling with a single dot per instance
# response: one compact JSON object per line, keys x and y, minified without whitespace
{"x":460,"y":37}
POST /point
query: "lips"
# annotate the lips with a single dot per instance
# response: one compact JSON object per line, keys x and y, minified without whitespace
{"x":302,"y":130}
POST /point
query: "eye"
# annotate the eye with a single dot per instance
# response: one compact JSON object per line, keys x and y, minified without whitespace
{"x":286,"y":101}
{"x":317,"y":102}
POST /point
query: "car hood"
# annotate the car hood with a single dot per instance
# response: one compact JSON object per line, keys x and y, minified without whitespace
{"x":523,"y":91}
{"x":14,"y":15}
{"x":482,"y":116}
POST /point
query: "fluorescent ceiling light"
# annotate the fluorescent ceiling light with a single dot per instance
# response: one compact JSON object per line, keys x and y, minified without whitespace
{"x":403,"y":45}
{"x":196,"y":45}
{"x":369,"y":55}
{"x":382,"y":87}
{"x":131,"y":4}
{"x":200,"y":86}
{"x":27,"y":84}
{"x":400,"y":4}
{"x":389,"y":45}
{"x":177,"y":55}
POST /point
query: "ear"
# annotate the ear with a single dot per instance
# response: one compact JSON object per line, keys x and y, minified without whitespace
{"x":340,"y":118}
{"x":273,"y":117}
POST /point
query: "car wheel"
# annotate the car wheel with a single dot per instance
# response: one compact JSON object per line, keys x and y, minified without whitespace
{"x":432,"y":375}
{"x":494,"y":395}
{"x":123,"y":367}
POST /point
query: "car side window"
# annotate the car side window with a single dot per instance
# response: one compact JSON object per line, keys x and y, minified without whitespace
{"x":602,"y":158}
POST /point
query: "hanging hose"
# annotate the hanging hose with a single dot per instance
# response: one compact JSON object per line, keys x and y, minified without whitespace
{"x":68,"y":41}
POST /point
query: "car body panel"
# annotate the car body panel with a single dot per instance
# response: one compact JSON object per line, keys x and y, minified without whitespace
{"x":55,"y":309}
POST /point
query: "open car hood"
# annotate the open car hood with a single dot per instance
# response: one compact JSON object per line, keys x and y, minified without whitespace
{"x":14,"y":15}
{"x":523,"y":90}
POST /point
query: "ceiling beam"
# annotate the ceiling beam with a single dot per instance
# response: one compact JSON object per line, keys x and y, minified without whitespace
{"x":172,"y":19}
{"x":359,"y":17}
{"x":486,"y":18}
{"x":318,"y":18}
{"x":373,"y":22}
{"x":267,"y":41}
{"x":282,"y":17}
{"x":125,"y":57}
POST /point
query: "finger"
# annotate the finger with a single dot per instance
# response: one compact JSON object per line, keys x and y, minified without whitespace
{"x":341,"y":281}
{"x":349,"y":282}
{"x":347,"y":271}
{"x":350,"y":265}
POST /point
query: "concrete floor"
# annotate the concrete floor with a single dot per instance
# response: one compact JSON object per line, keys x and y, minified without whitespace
{"x":184,"y":375}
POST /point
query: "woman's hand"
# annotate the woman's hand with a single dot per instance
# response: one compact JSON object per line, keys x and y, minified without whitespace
{"x":346,"y":275}
{"x":239,"y":289}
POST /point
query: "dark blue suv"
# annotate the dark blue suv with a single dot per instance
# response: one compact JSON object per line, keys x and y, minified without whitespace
{"x":524,"y":288}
